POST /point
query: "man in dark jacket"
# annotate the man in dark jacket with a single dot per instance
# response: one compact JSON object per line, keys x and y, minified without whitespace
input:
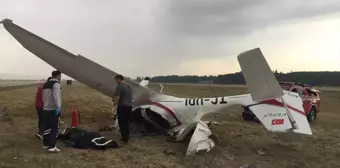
{"x":52,"y":103}
{"x":39,"y":105}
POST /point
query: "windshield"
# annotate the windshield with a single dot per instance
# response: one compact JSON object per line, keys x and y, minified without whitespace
{"x":285,"y":87}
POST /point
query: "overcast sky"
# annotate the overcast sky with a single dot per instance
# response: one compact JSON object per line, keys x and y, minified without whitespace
{"x":184,"y":37}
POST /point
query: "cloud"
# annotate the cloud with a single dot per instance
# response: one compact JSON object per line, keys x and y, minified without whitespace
{"x":149,"y":37}
{"x":208,"y":18}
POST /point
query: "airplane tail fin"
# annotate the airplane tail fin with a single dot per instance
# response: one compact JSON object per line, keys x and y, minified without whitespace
{"x":259,"y":78}
{"x":277,"y":110}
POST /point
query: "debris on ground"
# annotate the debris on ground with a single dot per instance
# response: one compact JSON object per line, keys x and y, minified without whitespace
{"x":4,"y":115}
{"x":212,"y":123}
{"x":4,"y":112}
{"x":107,"y":128}
{"x":261,"y":152}
{"x":169,"y":152}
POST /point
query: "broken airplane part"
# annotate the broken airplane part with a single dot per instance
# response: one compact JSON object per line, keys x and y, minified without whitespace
{"x":278,"y":111}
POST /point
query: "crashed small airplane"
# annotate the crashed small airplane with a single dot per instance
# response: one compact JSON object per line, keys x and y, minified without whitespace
{"x":181,"y":117}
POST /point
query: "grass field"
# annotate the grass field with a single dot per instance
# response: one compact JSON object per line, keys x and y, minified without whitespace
{"x":15,"y":84}
{"x":7,"y":83}
{"x":238,"y":142}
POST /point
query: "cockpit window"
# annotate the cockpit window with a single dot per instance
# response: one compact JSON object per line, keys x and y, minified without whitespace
{"x":311,"y":93}
{"x":299,"y":91}
{"x":294,"y":90}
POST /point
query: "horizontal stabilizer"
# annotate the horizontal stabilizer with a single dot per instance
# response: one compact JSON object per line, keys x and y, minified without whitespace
{"x":294,"y":105}
{"x":282,"y":114}
{"x":259,"y":78}
{"x":273,"y":116}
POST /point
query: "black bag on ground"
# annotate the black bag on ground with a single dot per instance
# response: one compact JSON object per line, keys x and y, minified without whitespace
{"x":83,"y":139}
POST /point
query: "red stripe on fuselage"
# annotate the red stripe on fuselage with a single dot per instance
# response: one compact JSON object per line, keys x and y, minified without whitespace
{"x":167,"y":110}
{"x":277,"y":103}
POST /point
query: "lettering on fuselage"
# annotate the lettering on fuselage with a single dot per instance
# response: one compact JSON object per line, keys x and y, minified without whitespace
{"x":222,"y":101}
{"x":274,"y":115}
{"x":201,"y":101}
{"x":290,"y":94}
{"x":194,"y":102}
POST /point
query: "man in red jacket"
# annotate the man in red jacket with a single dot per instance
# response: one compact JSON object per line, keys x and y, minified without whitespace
{"x":39,"y":105}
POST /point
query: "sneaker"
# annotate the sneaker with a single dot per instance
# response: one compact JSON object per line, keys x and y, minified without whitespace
{"x":54,"y":150}
{"x":45,"y":147}
{"x":38,"y":135}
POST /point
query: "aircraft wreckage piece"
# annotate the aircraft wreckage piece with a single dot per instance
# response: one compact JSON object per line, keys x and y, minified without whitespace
{"x":200,"y":139}
{"x":277,"y":110}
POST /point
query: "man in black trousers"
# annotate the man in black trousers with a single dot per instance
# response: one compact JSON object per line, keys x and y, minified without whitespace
{"x":122,"y":101}
{"x":52,"y":103}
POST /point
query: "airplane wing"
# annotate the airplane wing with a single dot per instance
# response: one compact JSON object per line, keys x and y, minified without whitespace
{"x":78,"y":67}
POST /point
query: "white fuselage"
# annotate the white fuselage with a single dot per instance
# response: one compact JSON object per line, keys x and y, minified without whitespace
{"x":178,"y":111}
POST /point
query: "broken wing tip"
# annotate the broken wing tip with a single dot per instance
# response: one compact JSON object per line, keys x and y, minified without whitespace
{"x":6,"y":20}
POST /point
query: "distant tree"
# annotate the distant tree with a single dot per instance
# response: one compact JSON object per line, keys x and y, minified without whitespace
{"x":326,"y":78}
{"x":139,"y":79}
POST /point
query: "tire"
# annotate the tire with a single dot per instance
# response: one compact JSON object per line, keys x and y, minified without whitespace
{"x":311,"y":115}
{"x":248,"y":115}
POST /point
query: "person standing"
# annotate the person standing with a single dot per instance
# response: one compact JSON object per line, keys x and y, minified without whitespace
{"x":39,"y":105}
{"x":52,"y":112}
{"x":122,"y":103}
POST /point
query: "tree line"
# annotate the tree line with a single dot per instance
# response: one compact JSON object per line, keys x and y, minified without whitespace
{"x":323,"y":78}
